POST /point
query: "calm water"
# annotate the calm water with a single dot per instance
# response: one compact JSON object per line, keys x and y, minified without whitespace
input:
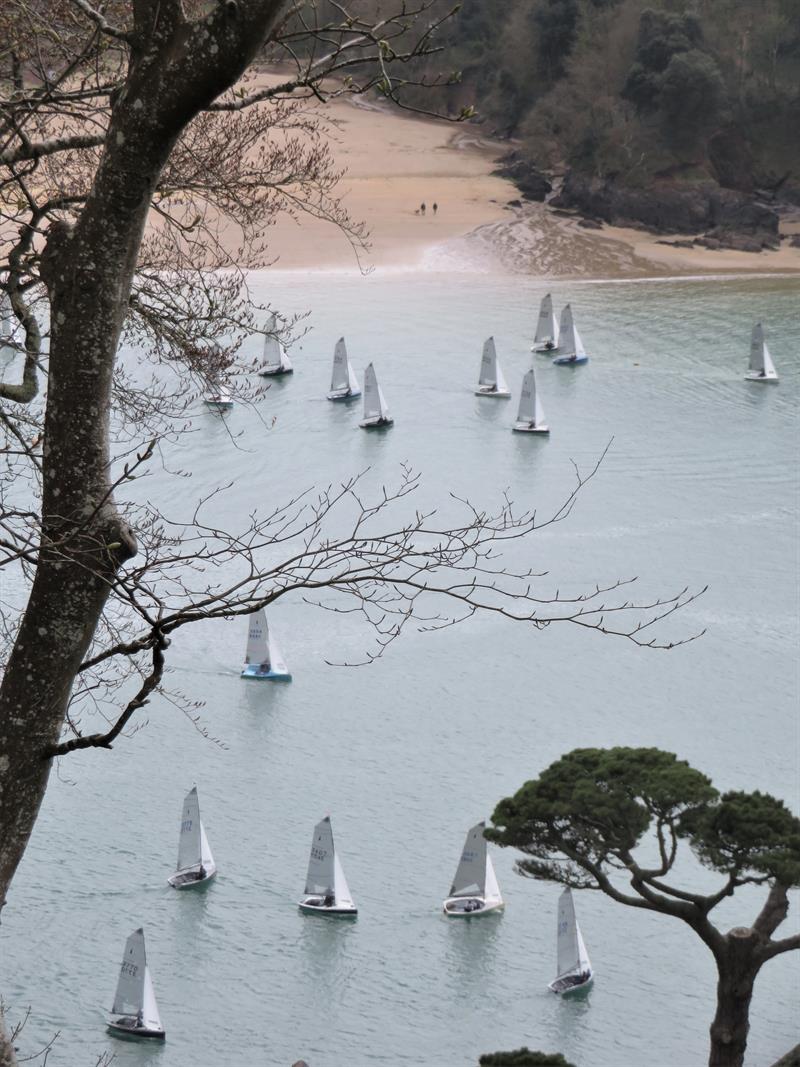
{"x":699,"y":487}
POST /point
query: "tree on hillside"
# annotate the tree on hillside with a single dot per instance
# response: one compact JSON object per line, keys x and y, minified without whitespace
{"x":580,"y":822}
{"x":126,"y":139}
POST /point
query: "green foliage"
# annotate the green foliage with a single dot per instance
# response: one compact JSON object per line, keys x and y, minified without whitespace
{"x":595,"y":803}
{"x":523,"y":1057}
{"x":692,"y":88}
{"x":748,"y":833}
{"x":557,"y":25}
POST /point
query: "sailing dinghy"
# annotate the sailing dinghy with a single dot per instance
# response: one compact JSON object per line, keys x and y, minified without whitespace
{"x":491,"y":381}
{"x":276,"y":361}
{"x":135,"y":1012}
{"x":570,"y":345}
{"x":530,"y":417}
{"x":218,"y":399}
{"x":376,"y":412}
{"x":195,"y":863}
{"x":474,"y":891}
{"x":344,"y":384}
{"x":546,"y":339}
{"x":574,"y":967}
{"x":762,"y":369}
{"x":263,"y":658}
{"x":326,"y":891}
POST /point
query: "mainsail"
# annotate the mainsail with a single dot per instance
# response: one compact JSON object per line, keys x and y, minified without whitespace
{"x":572,"y":955}
{"x":530,"y":410}
{"x":760,"y":359}
{"x":566,"y":343}
{"x":258,"y":640}
{"x":189,"y":844}
{"x":470,"y":879}
{"x":374,"y":402}
{"x":546,"y":328}
{"x":321,"y":878}
{"x":275,"y":357}
{"x":340,"y":379}
{"x":129,"y":997}
{"x":488,"y":375}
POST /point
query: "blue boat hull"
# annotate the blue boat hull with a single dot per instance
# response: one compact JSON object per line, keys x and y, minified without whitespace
{"x":252,"y":671}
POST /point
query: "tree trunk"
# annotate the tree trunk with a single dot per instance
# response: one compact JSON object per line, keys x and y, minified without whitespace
{"x":738,"y":964}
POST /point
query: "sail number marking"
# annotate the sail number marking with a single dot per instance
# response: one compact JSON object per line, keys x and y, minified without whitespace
{"x":185,"y":825}
{"x":130,"y":968}
{"x":318,"y":853}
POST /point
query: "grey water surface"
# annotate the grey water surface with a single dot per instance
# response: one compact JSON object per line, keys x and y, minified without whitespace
{"x":699,"y":487}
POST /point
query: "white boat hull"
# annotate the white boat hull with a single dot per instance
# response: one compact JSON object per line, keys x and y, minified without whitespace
{"x":501,"y":394}
{"x":525,"y":427}
{"x":313,"y":906}
{"x":377,"y":423}
{"x":188,"y":879}
{"x":219,"y":405}
{"x":754,"y":376}
{"x":339,"y":396}
{"x":569,"y":990}
{"x":126,"y":1026}
{"x":252,"y":670}
{"x":454,"y":907}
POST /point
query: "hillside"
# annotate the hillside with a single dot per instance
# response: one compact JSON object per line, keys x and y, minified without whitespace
{"x":677,"y":115}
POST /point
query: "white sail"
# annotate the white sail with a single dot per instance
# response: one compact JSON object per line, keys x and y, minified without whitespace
{"x":150,"y":1016}
{"x":528,"y":402}
{"x":352,"y":380}
{"x":340,"y":379}
{"x":321,"y":879}
{"x":566,"y":344}
{"x":258,"y":639}
{"x":567,"y":939}
{"x":129,"y":997}
{"x":488,"y":375}
{"x":584,"y":963}
{"x":502,"y":384}
{"x":275,"y":357}
{"x":189,"y":843}
{"x":470,"y":879}
{"x":761,"y":365}
{"x":757,"y":347}
{"x":374,"y":402}
{"x":547,"y":331}
{"x":206,"y":857}
{"x":492,"y":894}
{"x":276,"y":661}
{"x":580,"y":351}
{"x":341,"y":890}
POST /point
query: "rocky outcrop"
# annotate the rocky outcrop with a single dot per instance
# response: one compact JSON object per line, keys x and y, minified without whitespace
{"x":531,"y":182}
{"x":728,"y":218}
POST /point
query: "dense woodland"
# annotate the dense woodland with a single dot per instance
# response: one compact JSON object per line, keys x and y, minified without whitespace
{"x":636,"y":93}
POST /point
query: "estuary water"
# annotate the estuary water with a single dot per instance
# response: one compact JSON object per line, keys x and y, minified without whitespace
{"x":699,"y":487}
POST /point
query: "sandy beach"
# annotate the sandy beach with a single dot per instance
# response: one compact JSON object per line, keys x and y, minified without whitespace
{"x":395,"y":162}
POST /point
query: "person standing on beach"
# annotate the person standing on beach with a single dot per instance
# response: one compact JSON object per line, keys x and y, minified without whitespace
{"x":422,"y":207}
{"x":435,"y":208}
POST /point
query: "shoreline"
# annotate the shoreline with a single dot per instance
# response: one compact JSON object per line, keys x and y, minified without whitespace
{"x":393,"y":162}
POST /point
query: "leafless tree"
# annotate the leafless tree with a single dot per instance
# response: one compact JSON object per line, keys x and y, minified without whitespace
{"x":128,"y":134}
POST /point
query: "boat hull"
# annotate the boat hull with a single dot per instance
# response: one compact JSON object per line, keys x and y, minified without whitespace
{"x":525,"y":427}
{"x":375,"y":424}
{"x":453,"y":908}
{"x":547,"y":347}
{"x":499,"y":394}
{"x":343,"y":397}
{"x":572,"y":990}
{"x":333,"y":912}
{"x":570,"y":361}
{"x":126,"y":1027}
{"x":252,"y":672}
{"x":219,"y":405}
{"x":179,"y":880}
{"x":755,"y":377}
{"x":278,"y":373}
